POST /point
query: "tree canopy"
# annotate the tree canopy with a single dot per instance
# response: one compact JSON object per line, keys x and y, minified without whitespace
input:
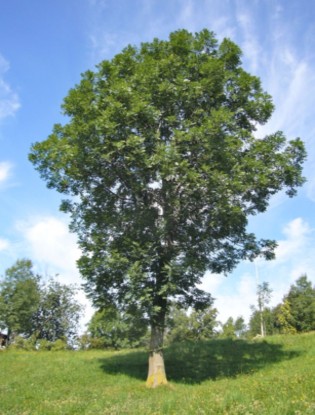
{"x":162,"y":168}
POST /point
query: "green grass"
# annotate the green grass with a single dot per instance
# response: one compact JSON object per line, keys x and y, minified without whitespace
{"x":276,"y":376}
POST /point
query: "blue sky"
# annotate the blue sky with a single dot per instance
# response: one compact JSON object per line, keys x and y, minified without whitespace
{"x":45,"y":46}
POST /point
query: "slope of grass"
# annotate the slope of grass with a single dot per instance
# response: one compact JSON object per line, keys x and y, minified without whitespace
{"x":275,"y":376}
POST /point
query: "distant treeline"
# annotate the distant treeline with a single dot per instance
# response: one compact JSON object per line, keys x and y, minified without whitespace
{"x":38,"y":314}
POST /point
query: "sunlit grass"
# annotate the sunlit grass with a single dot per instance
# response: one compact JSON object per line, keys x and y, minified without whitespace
{"x":217,"y":377}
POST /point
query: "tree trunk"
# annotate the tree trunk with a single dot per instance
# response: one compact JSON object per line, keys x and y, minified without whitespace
{"x":156,"y":373}
{"x":262,"y":328}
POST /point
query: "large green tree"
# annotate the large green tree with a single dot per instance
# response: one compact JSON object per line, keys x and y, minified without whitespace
{"x":161,"y":166}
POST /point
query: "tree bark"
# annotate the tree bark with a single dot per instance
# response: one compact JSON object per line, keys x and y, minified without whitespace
{"x":156,"y":372}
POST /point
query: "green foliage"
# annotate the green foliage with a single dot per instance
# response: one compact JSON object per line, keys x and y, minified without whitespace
{"x":162,"y":169}
{"x":263,"y":295}
{"x":59,"y":345}
{"x":233,"y":329}
{"x":31,"y":310}
{"x":268,"y":319}
{"x":284,"y":319}
{"x":197,"y":325}
{"x":19,"y":298}
{"x":228,"y":329}
{"x":44,"y":344}
{"x":301,"y":302}
{"x":274,"y":377}
{"x":22,"y":343}
{"x":58,"y":313}
{"x":240,"y":327}
{"x":115,"y":329}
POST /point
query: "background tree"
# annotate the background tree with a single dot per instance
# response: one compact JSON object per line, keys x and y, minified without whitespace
{"x":228,"y":329}
{"x":268,"y":318}
{"x":19,"y":298}
{"x":203,"y":323}
{"x":195,"y":326}
{"x":160,"y":155}
{"x":301,"y":301}
{"x":57,"y":314}
{"x":114,"y":329}
{"x":233,"y":329}
{"x":240,"y":327}
{"x":284,"y":320}
{"x":263,"y":299}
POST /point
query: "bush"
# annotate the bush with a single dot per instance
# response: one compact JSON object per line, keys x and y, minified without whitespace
{"x":43,"y":344}
{"x":59,"y":345}
{"x":21,"y":343}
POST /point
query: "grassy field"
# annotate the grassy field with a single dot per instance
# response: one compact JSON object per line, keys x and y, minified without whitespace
{"x":276,"y":376}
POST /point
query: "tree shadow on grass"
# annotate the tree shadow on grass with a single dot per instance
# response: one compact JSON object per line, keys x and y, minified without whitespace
{"x":195,"y":362}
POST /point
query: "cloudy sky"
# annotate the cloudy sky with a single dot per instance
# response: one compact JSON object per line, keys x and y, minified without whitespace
{"x":45,"y":46}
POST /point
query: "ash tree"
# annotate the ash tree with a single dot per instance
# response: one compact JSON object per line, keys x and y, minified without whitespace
{"x":162,"y":169}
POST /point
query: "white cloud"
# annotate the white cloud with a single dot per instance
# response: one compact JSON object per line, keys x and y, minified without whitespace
{"x":51,"y":245}
{"x":9,"y":100}
{"x":239,"y":301}
{"x":4,"y":244}
{"x":296,"y":253}
{"x":250,"y":45}
{"x":212,"y":282}
{"x":297,"y":234}
{"x":288,"y":74}
{"x":5,"y":171}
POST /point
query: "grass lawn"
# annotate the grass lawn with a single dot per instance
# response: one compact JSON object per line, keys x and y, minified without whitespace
{"x":276,"y":376}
